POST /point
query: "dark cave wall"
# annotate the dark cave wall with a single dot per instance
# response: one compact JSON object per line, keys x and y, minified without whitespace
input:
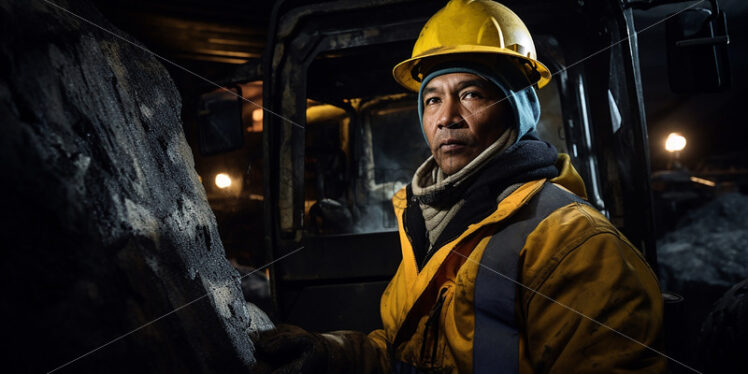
{"x":105,"y":225}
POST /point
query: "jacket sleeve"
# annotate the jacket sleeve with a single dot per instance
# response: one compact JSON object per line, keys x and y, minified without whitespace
{"x":611,"y":317}
{"x":355,"y":352}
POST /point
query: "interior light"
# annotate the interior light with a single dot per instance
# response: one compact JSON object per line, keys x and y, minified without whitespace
{"x":257,"y":115}
{"x":675,"y":142}
{"x":223,"y":180}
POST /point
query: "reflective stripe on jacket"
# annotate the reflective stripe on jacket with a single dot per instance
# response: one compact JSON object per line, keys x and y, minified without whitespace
{"x":574,"y":257}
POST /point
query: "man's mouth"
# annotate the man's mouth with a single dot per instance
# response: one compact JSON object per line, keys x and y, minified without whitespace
{"x":451,"y":145}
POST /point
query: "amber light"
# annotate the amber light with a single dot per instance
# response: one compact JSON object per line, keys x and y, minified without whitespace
{"x":675,"y":142}
{"x":223,"y":180}
{"x":257,"y":115}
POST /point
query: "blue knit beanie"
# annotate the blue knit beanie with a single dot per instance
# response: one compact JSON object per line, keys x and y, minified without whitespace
{"x":518,"y":92}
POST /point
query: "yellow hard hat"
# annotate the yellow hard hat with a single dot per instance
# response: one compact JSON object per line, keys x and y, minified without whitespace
{"x":471,"y":27}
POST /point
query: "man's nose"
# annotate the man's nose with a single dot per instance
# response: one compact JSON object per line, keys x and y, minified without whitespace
{"x":450,"y":116}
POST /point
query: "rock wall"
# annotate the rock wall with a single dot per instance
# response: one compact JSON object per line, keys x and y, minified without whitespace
{"x":700,"y":259}
{"x":708,"y":247}
{"x":105,"y":225}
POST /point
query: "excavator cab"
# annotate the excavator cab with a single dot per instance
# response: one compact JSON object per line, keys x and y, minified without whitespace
{"x":344,"y":137}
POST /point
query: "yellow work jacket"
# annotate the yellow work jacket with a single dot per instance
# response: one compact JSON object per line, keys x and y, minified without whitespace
{"x":574,"y":257}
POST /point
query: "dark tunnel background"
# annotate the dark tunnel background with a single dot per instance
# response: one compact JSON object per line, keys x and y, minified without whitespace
{"x":702,"y":232}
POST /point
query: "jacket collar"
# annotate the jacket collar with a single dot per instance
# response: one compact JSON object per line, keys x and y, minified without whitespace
{"x":412,"y":236}
{"x":528,"y":160}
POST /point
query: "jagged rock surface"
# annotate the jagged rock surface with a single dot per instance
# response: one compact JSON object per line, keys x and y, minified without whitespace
{"x":703,"y":257}
{"x":105,"y":225}
{"x":709,"y":247}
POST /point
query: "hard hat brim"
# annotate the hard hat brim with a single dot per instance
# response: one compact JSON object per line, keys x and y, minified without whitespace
{"x":402,"y":71}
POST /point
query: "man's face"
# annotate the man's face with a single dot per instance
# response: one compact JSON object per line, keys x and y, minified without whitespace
{"x":463,"y":114}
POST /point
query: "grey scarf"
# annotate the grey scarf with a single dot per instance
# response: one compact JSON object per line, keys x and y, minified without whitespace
{"x":430,"y":181}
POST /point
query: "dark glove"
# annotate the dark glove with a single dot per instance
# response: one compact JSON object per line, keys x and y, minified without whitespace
{"x":290,"y":349}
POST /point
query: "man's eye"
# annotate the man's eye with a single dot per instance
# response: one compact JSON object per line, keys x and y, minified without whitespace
{"x":471,"y":95}
{"x":431,"y":100}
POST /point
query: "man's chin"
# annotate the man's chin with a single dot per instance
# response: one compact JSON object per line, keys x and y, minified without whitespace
{"x":451,"y":165}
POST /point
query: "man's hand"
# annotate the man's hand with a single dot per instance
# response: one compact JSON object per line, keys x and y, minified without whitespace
{"x":290,"y":349}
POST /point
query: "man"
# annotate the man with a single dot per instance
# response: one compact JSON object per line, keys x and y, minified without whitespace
{"x":505,"y":268}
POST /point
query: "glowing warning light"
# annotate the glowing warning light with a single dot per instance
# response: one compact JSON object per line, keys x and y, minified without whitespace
{"x":223,"y":180}
{"x":257,"y":115}
{"x":675,"y":142}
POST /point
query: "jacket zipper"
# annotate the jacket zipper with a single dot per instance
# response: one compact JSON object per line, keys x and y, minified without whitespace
{"x":410,"y":239}
{"x":432,"y":327}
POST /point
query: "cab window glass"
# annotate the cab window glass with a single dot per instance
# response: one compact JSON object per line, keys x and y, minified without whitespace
{"x":356,"y":159}
{"x":392,"y":149}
